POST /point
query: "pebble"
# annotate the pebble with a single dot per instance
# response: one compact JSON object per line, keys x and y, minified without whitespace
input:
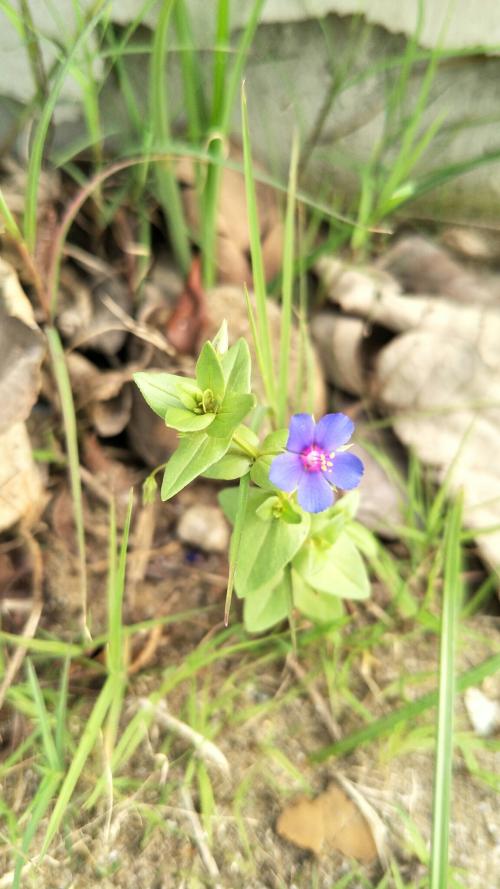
{"x":204,"y":527}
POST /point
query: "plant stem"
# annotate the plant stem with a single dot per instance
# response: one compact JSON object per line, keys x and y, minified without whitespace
{"x":244,"y":446}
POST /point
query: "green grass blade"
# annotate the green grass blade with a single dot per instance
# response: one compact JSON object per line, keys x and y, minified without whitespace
{"x":87,"y":743}
{"x":37,"y":147}
{"x":233,"y":81}
{"x":259,"y":281}
{"x":287,"y":291}
{"x":116,"y":649}
{"x":48,"y":742}
{"x":226,"y":84}
{"x":41,"y":802}
{"x":386,"y":724}
{"x":10,"y":223}
{"x":191,"y":72}
{"x":61,"y":712}
{"x":452,"y":600}
{"x":168,"y":188}
{"x":221,"y":57}
{"x":235,"y":541}
{"x":70,"y":431}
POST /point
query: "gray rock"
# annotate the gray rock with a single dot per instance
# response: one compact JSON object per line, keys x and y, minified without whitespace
{"x":204,"y":527}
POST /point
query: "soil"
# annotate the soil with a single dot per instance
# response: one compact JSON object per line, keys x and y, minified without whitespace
{"x":149,"y":839}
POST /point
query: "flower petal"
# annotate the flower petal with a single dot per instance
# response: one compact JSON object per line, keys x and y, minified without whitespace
{"x":286,"y":472}
{"x":300,"y":433}
{"x":314,"y":494}
{"x":333,"y":431}
{"x":346,"y":471}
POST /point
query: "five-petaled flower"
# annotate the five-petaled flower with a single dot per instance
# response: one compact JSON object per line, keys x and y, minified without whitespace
{"x":315,"y":461}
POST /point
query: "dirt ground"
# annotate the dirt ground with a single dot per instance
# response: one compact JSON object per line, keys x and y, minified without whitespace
{"x":151,"y":837}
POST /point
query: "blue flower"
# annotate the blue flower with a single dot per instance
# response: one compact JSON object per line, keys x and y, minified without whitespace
{"x":315,"y":463}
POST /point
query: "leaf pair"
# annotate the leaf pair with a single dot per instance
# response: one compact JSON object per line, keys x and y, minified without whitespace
{"x":205,"y":411}
{"x":311,"y":564}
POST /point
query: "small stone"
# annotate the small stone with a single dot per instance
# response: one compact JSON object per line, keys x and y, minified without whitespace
{"x":204,"y":527}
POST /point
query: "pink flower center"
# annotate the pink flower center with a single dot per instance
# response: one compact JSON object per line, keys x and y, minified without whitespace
{"x":316,"y":460}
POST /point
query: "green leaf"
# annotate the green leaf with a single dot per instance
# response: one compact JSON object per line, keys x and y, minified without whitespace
{"x":260,"y":473}
{"x":229,"y":467}
{"x":158,"y":389}
{"x":185,"y":421}
{"x":193,"y":456}
{"x":237,"y":366}
{"x":365,"y":541}
{"x":268,"y":606}
{"x":248,"y":436}
{"x":272,"y":445}
{"x":228,"y":501}
{"x":220,"y":341}
{"x":319,"y":607}
{"x":275,"y":442}
{"x":337,"y":570}
{"x":209,"y":373}
{"x":189,"y":393}
{"x":266,"y":546}
{"x":232,"y":411}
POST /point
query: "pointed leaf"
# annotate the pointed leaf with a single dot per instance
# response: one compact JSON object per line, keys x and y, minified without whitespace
{"x":266,"y":546}
{"x":229,"y":467}
{"x":220,"y":341}
{"x":337,"y":570}
{"x":267,"y":607}
{"x":185,"y":421}
{"x":209,"y":373}
{"x":158,"y":389}
{"x":194,"y":455}
{"x":232,"y":411}
{"x":237,"y":366}
{"x":318,"y":607}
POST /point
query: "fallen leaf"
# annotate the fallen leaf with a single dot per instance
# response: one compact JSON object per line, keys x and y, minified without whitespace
{"x":187,"y":322}
{"x":439,"y":380}
{"x":104,"y":395}
{"x":331,"y":822}
{"x":21,"y":494}
{"x":339,"y":341}
{"x":484,"y":714}
{"x":22,"y":349}
{"x":420,"y":266}
{"x":85,"y":318}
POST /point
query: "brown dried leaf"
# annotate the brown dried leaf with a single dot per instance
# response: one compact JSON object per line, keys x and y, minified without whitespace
{"x":21,"y":493}
{"x":186,"y":324}
{"x":421,"y":266}
{"x":330,"y":822}
{"x":22,"y":348}
{"x":84,"y":317}
{"x":439,"y":380}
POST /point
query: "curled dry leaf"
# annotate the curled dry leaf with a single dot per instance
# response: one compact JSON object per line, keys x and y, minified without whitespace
{"x":85,"y":318}
{"x":21,"y":493}
{"x":420,"y":266}
{"x":339,"y":341}
{"x":484,"y":714}
{"x":233,"y":238}
{"x":439,"y":380}
{"x":22,"y":349}
{"x":476,"y":244}
{"x":105,"y":395}
{"x":331,"y":822}
{"x":185,"y":326}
